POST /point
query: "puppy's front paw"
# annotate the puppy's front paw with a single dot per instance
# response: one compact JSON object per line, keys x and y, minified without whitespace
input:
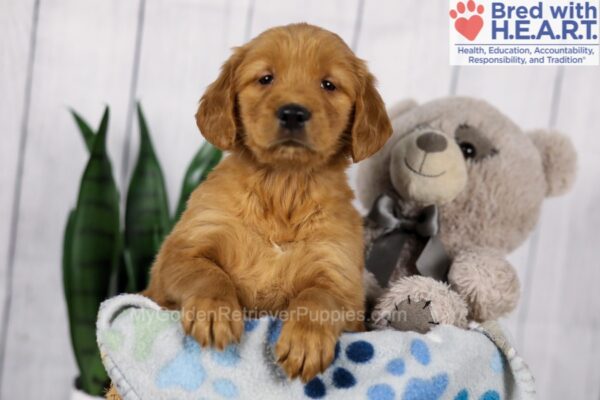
{"x":305,"y":348}
{"x":213,"y":322}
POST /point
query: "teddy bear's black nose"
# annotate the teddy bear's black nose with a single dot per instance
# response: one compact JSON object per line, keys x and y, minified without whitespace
{"x":432,"y":142}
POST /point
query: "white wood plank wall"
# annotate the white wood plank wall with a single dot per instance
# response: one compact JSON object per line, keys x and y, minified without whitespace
{"x":55,"y":54}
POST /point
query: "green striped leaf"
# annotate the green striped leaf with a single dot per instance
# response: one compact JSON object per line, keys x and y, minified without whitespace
{"x":90,"y":253}
{"x":147,"y":210}
{"x":205,"y":160}
{"x":87,"y":133}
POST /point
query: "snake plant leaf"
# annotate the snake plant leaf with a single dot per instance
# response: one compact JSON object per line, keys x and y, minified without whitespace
{"x":203,"y":162}
{"x":90,"y":254}
{"x":129,"y":270}
{"x":67,"y":268}
{"x":147,"y":212}
{"x":118,"y":276}
{"x":87,"y":133}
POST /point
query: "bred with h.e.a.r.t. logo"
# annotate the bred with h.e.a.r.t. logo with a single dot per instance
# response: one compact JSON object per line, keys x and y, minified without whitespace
{"x":468,"y":21}
{"x":521,"y":32}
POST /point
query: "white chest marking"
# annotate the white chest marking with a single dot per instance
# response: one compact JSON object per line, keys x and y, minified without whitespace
{"x":278,"y":249}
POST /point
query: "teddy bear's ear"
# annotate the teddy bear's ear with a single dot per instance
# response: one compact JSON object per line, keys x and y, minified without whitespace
{"x":401,"y":107}
{"x":559,"y":159}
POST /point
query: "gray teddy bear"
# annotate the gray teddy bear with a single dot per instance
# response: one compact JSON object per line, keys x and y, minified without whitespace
{"x":456,"y":188}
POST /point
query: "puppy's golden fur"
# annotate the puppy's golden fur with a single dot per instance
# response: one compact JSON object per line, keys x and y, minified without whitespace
{"x":273,"y":228}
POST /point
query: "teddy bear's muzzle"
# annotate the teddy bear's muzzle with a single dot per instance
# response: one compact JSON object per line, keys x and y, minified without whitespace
{"x":431,"y":167}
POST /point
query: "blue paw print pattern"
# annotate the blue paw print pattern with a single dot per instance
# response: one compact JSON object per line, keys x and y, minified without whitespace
{"x":396,"y":367}
{"x":490,"y":395}
{"x":274,"y":331}
{"x":250,"y":325}
{"x":462,"y":395}
{"x":185,"y":370}
{"x":420,"y":351}
{"x":229,"y":357}
{"x":225,"y":388}
{"x":497,"y":363}
{"x":381,"y":391}
{"x":343,"y":379}
{"x":360,"y":351}
{"x":426,"y":389}
{"x":315,"y":389}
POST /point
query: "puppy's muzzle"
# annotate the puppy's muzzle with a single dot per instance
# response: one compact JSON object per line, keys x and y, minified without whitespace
{"x":292,"y":117}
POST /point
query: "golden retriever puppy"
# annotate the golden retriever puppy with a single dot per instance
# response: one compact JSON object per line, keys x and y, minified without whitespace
{"x":273,"y":229}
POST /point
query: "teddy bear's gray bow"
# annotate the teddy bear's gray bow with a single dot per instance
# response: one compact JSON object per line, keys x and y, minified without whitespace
{"x":381,"y":260}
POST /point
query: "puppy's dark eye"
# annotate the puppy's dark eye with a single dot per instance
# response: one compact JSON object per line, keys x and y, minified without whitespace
{"x":327,"y":85}
{"x":468,"y":150}
{"x":266,"y":80}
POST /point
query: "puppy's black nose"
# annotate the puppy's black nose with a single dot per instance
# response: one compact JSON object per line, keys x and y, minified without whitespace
{"x":293,"y":116}
{"x":432,"y":142}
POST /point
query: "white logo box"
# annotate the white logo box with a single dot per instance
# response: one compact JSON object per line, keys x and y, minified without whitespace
{"x":524,"y":32}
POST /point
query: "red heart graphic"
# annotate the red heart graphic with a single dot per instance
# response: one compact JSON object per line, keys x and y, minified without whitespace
{"x":469,"y":28}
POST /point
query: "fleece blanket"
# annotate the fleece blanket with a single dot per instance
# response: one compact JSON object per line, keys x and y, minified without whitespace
{"x":148,"y":357}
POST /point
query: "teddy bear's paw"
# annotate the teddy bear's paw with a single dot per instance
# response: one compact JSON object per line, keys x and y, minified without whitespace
{"x":412,"y":315}
{"x":418,"y":304}
{"x":487,"y":282}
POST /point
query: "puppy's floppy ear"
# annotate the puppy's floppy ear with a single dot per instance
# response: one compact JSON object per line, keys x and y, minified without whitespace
{"x":371,"y":126}
{"x":216,"y":117}
{"x":558,"y":158}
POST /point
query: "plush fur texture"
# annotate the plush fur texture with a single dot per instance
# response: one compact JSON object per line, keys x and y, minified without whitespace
{"x":424,"y":302}
{"x":508,"y":175}
{"x":273,"y":229}
{"x":558,"y":159}
{"x":486,"y":281}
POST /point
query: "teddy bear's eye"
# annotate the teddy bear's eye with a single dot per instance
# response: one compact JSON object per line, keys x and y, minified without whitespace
{"x":468,"y":150}
{"x":473,"y":143}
